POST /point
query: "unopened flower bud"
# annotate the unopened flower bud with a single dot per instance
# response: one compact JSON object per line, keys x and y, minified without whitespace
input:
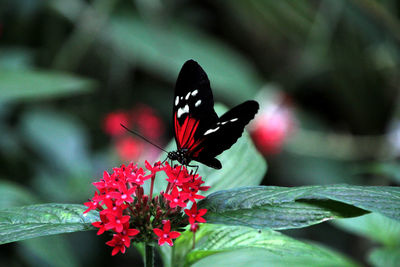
{"x":194,"y":227}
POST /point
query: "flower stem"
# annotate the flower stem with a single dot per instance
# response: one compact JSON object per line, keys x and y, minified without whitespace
{"x":194,"y":240}
{"x":153,"y":177}
{"x":149,"y":251}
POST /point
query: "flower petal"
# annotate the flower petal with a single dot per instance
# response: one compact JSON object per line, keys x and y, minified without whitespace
{"x":201,"y":212}
{"x":174,"y":234}
{"x":167,"y":226}
{"x":161,"y":241}
{"x":132,"y":232}
{"x":200,"y":219}
{"x":158,"y":232}
{"x":169,"y":241}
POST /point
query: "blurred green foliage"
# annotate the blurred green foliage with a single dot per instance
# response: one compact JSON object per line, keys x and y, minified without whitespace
{"x":65,"y":64}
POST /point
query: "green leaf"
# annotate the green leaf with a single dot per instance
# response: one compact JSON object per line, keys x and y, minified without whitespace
{"x":19,"y":223}
{"x":17,"y":85}
{"x":164,"y":50}
{"x":286,"y":208}
{"x":242,"y":165}
{"x":12,"y":195}
{"x":58,"y":137}
{"x":388,"y":169}
{"x":249,"y":247}
{"x":374,"y":226}
{"x":166,"y":254}
{"x":61,"y":142}
{"x":16,"y":58}
{"x":385,"y":257}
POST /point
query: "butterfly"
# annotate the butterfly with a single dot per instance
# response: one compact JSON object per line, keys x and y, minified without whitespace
{"x":200,"y":134}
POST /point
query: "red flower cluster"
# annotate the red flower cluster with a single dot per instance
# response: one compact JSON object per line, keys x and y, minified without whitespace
{"x":131,"y":215}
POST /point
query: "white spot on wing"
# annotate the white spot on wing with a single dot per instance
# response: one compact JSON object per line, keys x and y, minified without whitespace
{"x":187,"y":96}
{"x":224,"y":122}
{"x":198,"y":102}
{"x":195,"y":92}
{"x":211,"y":131}
{"x":183,"y":110}
{"x":232,"y":120}
{"x":176,"y":100}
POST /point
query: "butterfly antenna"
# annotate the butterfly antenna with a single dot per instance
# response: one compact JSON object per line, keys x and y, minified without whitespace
{"x":144,"y":138}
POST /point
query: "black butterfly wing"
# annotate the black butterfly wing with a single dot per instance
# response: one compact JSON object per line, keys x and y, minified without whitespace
{"x":198,"y":130}
{"x":225,"y":132}
{"x":193,"y":107}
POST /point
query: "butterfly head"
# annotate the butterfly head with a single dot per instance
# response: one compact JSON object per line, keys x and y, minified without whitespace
{"x":180,"y":156}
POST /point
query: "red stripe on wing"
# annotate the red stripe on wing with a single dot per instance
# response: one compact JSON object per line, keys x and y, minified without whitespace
{"x":185,"y":134}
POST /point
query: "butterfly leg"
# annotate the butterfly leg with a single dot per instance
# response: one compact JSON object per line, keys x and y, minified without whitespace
{"x":164,"y":160}
{"x":194,"y":166}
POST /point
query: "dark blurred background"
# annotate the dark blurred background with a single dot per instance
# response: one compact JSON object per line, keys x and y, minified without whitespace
{"x":326,"y":73}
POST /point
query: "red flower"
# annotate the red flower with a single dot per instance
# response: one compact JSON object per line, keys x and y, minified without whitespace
{"x":124,"y":196}
{"x":176,"y":198}
{"x":112,"y":209}
{"x":192,"y":188}
{"x":93,"y":204}
{"x":165,"y":235}
{"x":195,"y":215}
{"x":102,"y":184}
{"x":120,"y":241}
{"x":112,"y":123}
{"x":157,"y":166}
{"x":128,"y":171}
{"x":101,"y":224}
{"x":130,"y":232}
{"x":116,"y":222}
{"x":177,"y":176}
{"x":138,"y":177}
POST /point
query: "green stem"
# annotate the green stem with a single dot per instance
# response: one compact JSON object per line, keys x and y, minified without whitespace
{"x":194,"y":240}
{"x":149,"y":251}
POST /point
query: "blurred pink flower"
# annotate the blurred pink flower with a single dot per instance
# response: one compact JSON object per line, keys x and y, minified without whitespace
{"x":112,"y":123}
{"x":148,"y":122}
{"x":129,"y":148}
{"x":141,"y":119}
{"x":271,"y":128}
